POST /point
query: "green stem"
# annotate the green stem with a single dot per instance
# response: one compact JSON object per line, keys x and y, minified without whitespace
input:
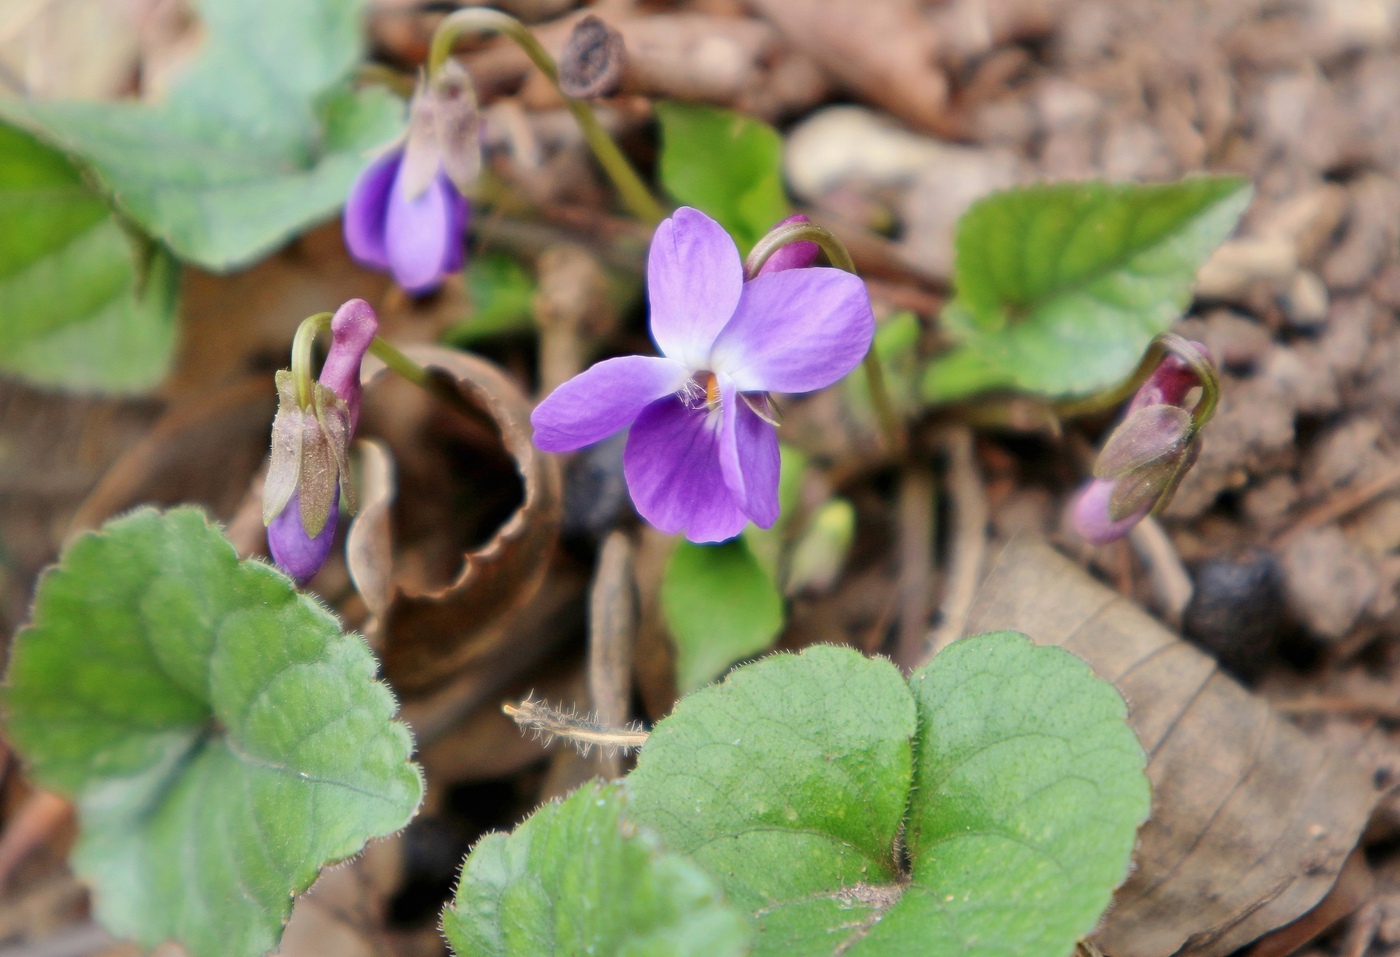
{"x":401,"y":364}
{"x":305,"y":383}
{"x":630,"y":187}
{"x":1168,"y":343}
{"x":840,"y":257}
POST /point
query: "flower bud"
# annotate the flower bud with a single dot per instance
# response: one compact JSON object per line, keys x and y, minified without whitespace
{"x":798,"y":255}
{"x":1147,"y":455}
{"x":309,"y":467}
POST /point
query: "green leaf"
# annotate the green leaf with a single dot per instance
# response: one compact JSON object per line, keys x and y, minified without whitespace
{"x":82,"y":304}
{"x":578,"y":878}
{"x":1009,"y":777}
{"x":221,"y":737}
{"x":1061,"y":287}
{"x":502,"y":294}
{"x":725,"y":164}
{"x":720,"y":606}
{"x":767,"y":543}
{"x":260,"y":139}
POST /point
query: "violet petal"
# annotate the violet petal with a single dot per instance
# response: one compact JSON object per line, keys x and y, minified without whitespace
{"x":796,"y":331}
{"x":797,"y":255}
{"x":417,"y":234}
{"x":673,"y":473}
{"x":353,"y":328}
{"x":603,"y":399}
{"x":366,"y":208}
{"x":458,"y":218}
{"x":1090,"y":516}
{"x":749,"y":458}
{"x":295,"y":552}
{"x":694,"y":281}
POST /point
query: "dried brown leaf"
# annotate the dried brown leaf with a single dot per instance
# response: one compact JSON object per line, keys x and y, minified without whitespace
{"x":437,"y":626}
{"x":1252,"y":820}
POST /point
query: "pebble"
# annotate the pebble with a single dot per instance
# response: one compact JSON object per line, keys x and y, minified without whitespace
{"x":1305,"y":302}
{"x":1327,"y":581}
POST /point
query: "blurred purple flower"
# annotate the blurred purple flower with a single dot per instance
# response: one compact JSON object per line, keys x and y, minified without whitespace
{"x":702,"y":456}
{"x":310,"y":446}
{"x":417,"y":235}
{"x":407,"y":212}
{"x":1145,"y":458}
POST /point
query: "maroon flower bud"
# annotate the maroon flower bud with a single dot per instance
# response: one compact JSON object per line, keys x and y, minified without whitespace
{"x":1144,"y":460}
{"x":798,"y":255}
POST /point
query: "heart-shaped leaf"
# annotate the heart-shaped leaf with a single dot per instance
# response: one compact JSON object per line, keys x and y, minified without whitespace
{"x":724,"y":163}
{"x":86,"y":306}
{"x":221,"y":737}
{"x":260,"y":139}
{"x":1061,"y":287}
{"x":1008,"y":778}
{"x":577,"y":878}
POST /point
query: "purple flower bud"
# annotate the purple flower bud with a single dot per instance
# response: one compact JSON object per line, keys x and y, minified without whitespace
{"x":406,"y":213}
{"x":1171,"y":381}
{"x":1090,"y":514}
{"x":797,"y":255}
{"x":353,"y":328}
{"x":296,"y":553}
{"x":1145,"y":457}
{"x":309,"y":470}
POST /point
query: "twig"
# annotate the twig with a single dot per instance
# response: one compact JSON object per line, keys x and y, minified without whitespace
{"x":1171,"y":583}
{"x":1339,"y":705}
{"x":967,"y":506}
{"x":915,"y":544}
{"x":1342,"y":504}
{"x":612,"y":627}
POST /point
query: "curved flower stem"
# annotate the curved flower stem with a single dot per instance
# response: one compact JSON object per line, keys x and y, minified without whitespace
{"x":1168,"y":343}
{"x":629,"y":185}
{"x":838,"y":256}
{"x":312,"y":326}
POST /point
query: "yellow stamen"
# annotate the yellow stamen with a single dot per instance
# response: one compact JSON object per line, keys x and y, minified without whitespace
{"x":712,"y":396}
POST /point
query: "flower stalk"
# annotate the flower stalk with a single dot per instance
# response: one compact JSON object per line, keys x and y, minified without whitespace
{"x":630,"y":186}
{"x":800,"y":231}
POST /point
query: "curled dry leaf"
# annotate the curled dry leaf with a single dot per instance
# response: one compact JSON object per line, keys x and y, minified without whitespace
{"x":369,"y":544}
{"x":452,"y":599}
{"x":1251,"y":821}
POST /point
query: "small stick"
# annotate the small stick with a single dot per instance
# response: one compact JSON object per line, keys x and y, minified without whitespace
{"x":1342,"y":504}
{"x":612,"y":629}
{"x":1171,"y":583}
{"x":915,"y":544}
{"x":967,"y":501}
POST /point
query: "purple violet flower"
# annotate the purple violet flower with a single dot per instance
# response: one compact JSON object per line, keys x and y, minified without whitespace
{"x":702,"y":456}
{"x":310,"y":447}
{"x":1145,"y":458}
{"x":407,"y":212}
